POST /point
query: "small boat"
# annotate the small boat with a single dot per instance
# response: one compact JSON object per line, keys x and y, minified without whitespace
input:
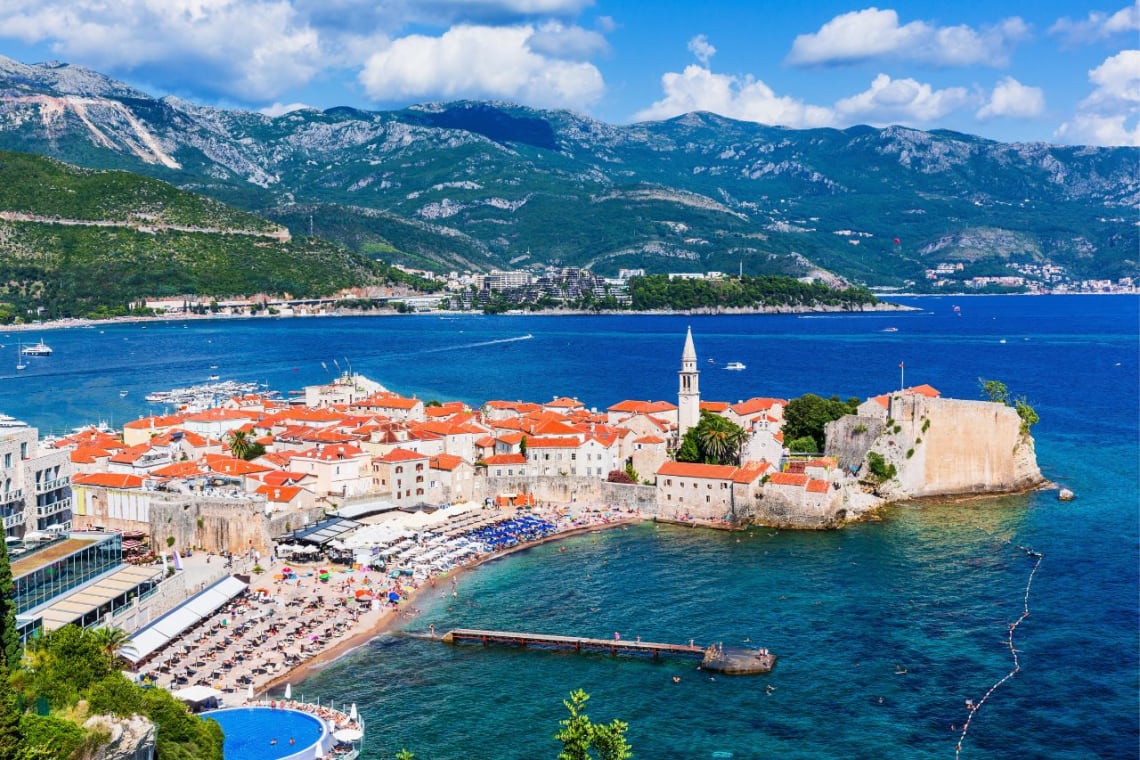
{"x":123,"y":394}
{"x":214,"y":377}
{"x":712,"y":360}
{"x":734,"y":365}
{"x":890,"y":329}
{"x":39,"y":349}
{"x":20,"y":358}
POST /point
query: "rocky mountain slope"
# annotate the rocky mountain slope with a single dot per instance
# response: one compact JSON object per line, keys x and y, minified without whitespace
{"x":490,"y":185}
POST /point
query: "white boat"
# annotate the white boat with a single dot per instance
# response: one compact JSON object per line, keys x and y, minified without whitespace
{"x":123,"y":394}
{"x":214,"y":377}
{"x":734,"y":365}
{"x":39,"y":349}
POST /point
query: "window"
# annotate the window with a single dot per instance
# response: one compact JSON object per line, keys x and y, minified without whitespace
{"x":8,"y":459}
{"x":399,"y":468}
{"x":24,"y":450}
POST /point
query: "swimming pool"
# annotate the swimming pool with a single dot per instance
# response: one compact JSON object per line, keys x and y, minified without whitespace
{"x":251,"y":731}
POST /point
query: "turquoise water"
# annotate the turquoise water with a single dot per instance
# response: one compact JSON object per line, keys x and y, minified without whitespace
{"x":930,"y":587}
{"x":251,"y":731}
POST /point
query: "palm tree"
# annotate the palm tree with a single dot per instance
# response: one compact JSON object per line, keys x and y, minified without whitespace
{"x":720,"y":440}
{"x":113,"y":641}
{"x":240,"y":444}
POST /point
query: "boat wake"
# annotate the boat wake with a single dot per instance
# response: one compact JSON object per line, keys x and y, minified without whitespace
{"x":479,"y":344}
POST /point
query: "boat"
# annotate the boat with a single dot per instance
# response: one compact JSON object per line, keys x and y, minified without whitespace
{"x":734,"y":365}
{"x":39,"y":349}
{"x":122,"y":394}
{"x":890,"y":329}
{"x":20,"y":358}
{"x":214,"y":377}
{"x":712,"y":360}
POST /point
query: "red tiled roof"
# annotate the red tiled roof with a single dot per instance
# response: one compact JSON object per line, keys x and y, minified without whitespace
{"x":818,"y":486}
{"x":400,"y":455}
{"x":716,"y":407}
{"x":750,"y":472}
{"x":564,"y":403}
{"x":178,"y":470}
{"x":552,"y":443}
{"x":505,"y":459}
{"x":754,"y":405}
{"x":147,"y":423}
{"x":108,"y":480}
{"x":649,"y":439}
{"x":131,"y":454}
{"x":279,"y":494}
{"x":88,"y":454}
{"x":696,"y":470}
{"x":642,"y":407}
{"x":788,"y":479}
{"x":446,"y":462}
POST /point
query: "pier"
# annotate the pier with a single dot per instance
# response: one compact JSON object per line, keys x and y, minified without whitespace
{"x":712,"y":657}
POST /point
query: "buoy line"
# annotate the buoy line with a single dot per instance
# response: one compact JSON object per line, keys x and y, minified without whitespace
{"x":974,"y":707}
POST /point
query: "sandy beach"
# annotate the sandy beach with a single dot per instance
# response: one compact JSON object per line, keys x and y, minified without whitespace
{"x":290,"y":624}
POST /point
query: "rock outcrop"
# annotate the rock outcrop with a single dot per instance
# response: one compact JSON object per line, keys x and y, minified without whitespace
{"x":939,"y":447}
{"x":130,"y":738}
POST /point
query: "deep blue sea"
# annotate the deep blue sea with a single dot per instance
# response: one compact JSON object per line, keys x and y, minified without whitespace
{"x":929,"y":588}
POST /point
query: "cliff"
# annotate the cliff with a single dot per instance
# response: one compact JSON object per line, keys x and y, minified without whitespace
{"x":939,"y":447}
{"x":129,"y":738}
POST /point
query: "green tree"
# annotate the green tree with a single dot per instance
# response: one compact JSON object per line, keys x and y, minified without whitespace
{"x":714,"y":440}
{"x":994,"y":390}
{"x":522,"y":445}
{"x":579,"y":734}
{"x":804,"y":445}
{"x":807,"y":415}
{"x":10,"y":725}
{"x":113,"y":641}
{"x":240,"y":444}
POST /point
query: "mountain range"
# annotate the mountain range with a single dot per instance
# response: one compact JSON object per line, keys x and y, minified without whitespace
{"x":480,"y":186}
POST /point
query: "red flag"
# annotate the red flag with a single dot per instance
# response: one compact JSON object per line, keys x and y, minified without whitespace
{"x":897,"y":241}
{"x":900,"y":365}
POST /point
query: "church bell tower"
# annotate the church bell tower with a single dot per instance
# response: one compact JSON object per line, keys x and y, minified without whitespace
{"x":689,"y":393}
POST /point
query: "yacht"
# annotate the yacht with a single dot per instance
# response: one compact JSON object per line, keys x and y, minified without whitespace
{"x":39,"y":349}
{"x":734,"y":365}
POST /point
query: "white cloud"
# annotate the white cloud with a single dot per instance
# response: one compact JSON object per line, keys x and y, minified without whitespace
{"x":873,"y":34}
{"x":744,"y":98}
{"x":1013,"y":99}
{"x":280,"y":109}
{"x":479,"y":62}
{"x":562,"y":41}
{"x":249,"y":50}
{"x":1110,"y":115}
{"x":900,"y":101}
{"x":702,"y":49}
{"x":1098,"y":25}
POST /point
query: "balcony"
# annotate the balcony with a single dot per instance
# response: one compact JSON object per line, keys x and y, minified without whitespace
{"x":44,"y":510}
{"x":13,"y":496}
{"x":51,"y":485}
{"x":14,"y":521}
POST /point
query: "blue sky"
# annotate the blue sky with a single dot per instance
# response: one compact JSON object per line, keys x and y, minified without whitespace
{"x":1062,"y":72}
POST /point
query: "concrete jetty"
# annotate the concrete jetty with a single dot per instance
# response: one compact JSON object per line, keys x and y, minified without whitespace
{"x":715,"y":657}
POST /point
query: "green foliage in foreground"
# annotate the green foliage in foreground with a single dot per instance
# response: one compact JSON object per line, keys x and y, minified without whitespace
{"x":660,"y":292}
{"x":74,"y":671}
{"x":579,"y":735}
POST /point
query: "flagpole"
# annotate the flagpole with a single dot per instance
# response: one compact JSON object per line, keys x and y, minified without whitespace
{"x":902,"y":375}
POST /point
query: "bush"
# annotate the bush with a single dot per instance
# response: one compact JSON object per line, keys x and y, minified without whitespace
{"x":878,"y":468}
{"x":47,"y":738}
{"x":803,"y":445}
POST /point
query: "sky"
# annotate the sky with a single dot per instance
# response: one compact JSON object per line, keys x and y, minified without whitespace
{"x":1065,"y":72}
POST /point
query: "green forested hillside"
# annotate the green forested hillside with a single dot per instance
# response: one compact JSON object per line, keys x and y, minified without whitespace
{"x":76,"y":243}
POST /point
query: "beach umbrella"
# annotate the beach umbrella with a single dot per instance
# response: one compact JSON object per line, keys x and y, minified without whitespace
{"x":288,"y":691}
{"x":348,"y":735}
{"x":393,"y":596}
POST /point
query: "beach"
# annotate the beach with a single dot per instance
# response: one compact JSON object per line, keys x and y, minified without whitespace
{"x":297,"y":617}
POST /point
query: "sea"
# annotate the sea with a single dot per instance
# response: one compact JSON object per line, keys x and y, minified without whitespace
{"x":883,"y":629}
